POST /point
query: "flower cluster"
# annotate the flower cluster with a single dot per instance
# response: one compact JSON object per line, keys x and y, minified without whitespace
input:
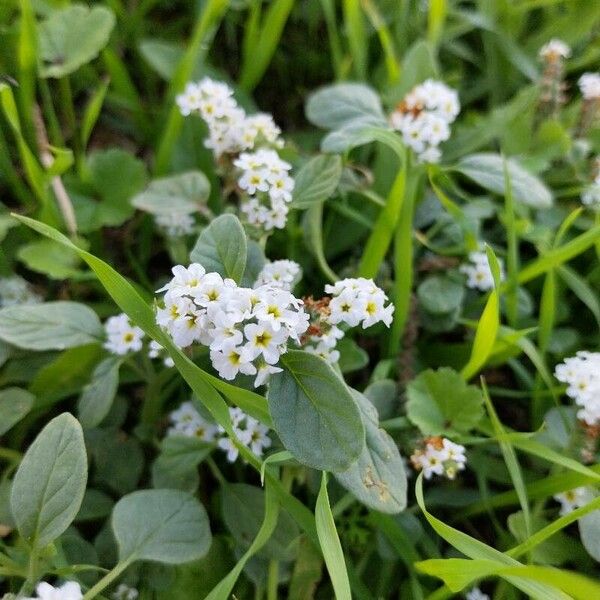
{"x":478,"y":271}
{"x":555,"y":50}
{"x":476,"y":594}
{"x":125,"y":592}
{"x":590,"y":196}
{"x":187,"y":421}
{"x":264,"y":179}
{"x":70,"y":590}
{"x":175,"y":224}
{"x":582,"y":375}
{"x":246,"y":329}
{"x":282,"y":274}
{"x":424,"y":117}
{"x":572,"y":499}
{"x":16,"y":291}
{"x":589,"y":85}
{"x":122,"y":336}
{"x":352,"y":302}
{"x":439,"y":456}
{"x":229,"y":129}
{"x":155,"y":350}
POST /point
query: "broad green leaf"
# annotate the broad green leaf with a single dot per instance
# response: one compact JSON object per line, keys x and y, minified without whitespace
{"x":243,"y":508}
{"x":440,"y":402}
{"x":330,"y":544}
{"x":418,"y":65}
{"x":317,"y":180}
{"x":161,"y":55}
{"x":487,"y":169}
{"x":589,"y":530}
{"x":383,"y":394}
{"x":15,"y":403}
{"x":222,"y":248}
{"x":116,"y":176}
{"x":352,"y":356}
{"x":183,"y":193}
{"x":314,"y":413}
{"x":168,"y":526}
{"x":49,"y":485}
{"x":351,"y":135}
{"x":71,"y":37}
{"x":254,"y":263}
{"x":50,"y":325}
{"x":98,"y":395}
{"x":49,"y":258}
{"x":96,"y":505}
{"x":338,"y":105}
{"x":439,"y":294}
{"x":377,"y":478}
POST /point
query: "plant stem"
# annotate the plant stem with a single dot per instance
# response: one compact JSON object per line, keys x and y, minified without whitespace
{"x":272,"y":580}
{"x":212,"y":465}
{"x":107,"y":579}
{"x":32,"y":570}
{"x":66,"y":95}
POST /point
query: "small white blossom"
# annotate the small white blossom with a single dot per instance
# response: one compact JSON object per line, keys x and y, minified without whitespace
{"x":572,"y":499}
{"x":478,"y":271}
{"x":249,"y":431}
{"x":282,"y":274}
{"x":589,"y":84}
{"x":590,"y":196}
{"x":188,"y":422}
{"x":70,"y":590}
{"x":124,"y":592}
{"x":155,"y":350}
{"x":439,"y":456}
{"x":16,"y":291}
{"x":175,"y":224}
{"x":122,"y":336}
{"x":582,"y":375}
{"x":424,"y":117}
{"x":554,"y":50}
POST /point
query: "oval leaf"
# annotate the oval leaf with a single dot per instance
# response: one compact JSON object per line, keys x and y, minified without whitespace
{"x":317,"y":180}
{"x":314,"y":413}
{"x":487,"y":169}
{"x":338,"y":105}
{"x":50,"y":326}
{"x":15,"y":403}
{"x":222,"y":247}
{"x":377,"y":478}
{"x":49,"y":485}
{"x":182,"y":194}
{"x":98,"y":395}
{"x":168,"y":526}
{"x":72,"y":37}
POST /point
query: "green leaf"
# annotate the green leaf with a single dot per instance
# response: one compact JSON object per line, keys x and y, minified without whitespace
{"x":71,"y":37}
{"x":161,"y":55}
{"x":317,"y":180}
{"x":49,"y":485}
{"x":440,"y":402}
{"x":222,"y":248}
{"x":487,"y":169}
{"x":338,"y":105}
{"x":418,"y":65}
{"x":254,"y":263}
{"x":168,"y":526}
{"x":182,"y":193}
{"x":15,"y":403}
{"x":116,"y":176}
{"x":352,"y":356}
{"x":314,"y":413}
{"x":439,"y":294}
{"x":96,"y":505}
{"x":243,"y":512}
{"x":49,"y":258}
{"x":98,"y":395}
{"x":377,"y":478}
{"x":50,"y":325}
{"x":330,"y":544}
{"x":589,"y":530}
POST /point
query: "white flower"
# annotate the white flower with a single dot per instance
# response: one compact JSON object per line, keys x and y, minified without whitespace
{"x":250,"y":433}
{"x":572,"y":499}
{"x":554,"y":50}
{"x":424,"y":117}
{"x":256,"y":436}
{"x":280,"y":273}
{"x":70,"y":590}
{"x":591,"y":194}
{"x":155,"y":350}
{"x":263,"y":339}
{"x":265,"y":370}
{"x":358,"y":301}
{"x":439,"y":456}
{"x":122,"y":336}
{"x":325,"y":351}
{"x":226,"y":444}
{"x":176,"y":224}
{"x":124,"y":592}
{"x":478,"y":271}
{"x":231,"y":361}
{"x":15,"y":290}
{"x":589,"y":84}
{"x":187,"y":421}
{"x":476,"y":594}
{"x":581,"y":373}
